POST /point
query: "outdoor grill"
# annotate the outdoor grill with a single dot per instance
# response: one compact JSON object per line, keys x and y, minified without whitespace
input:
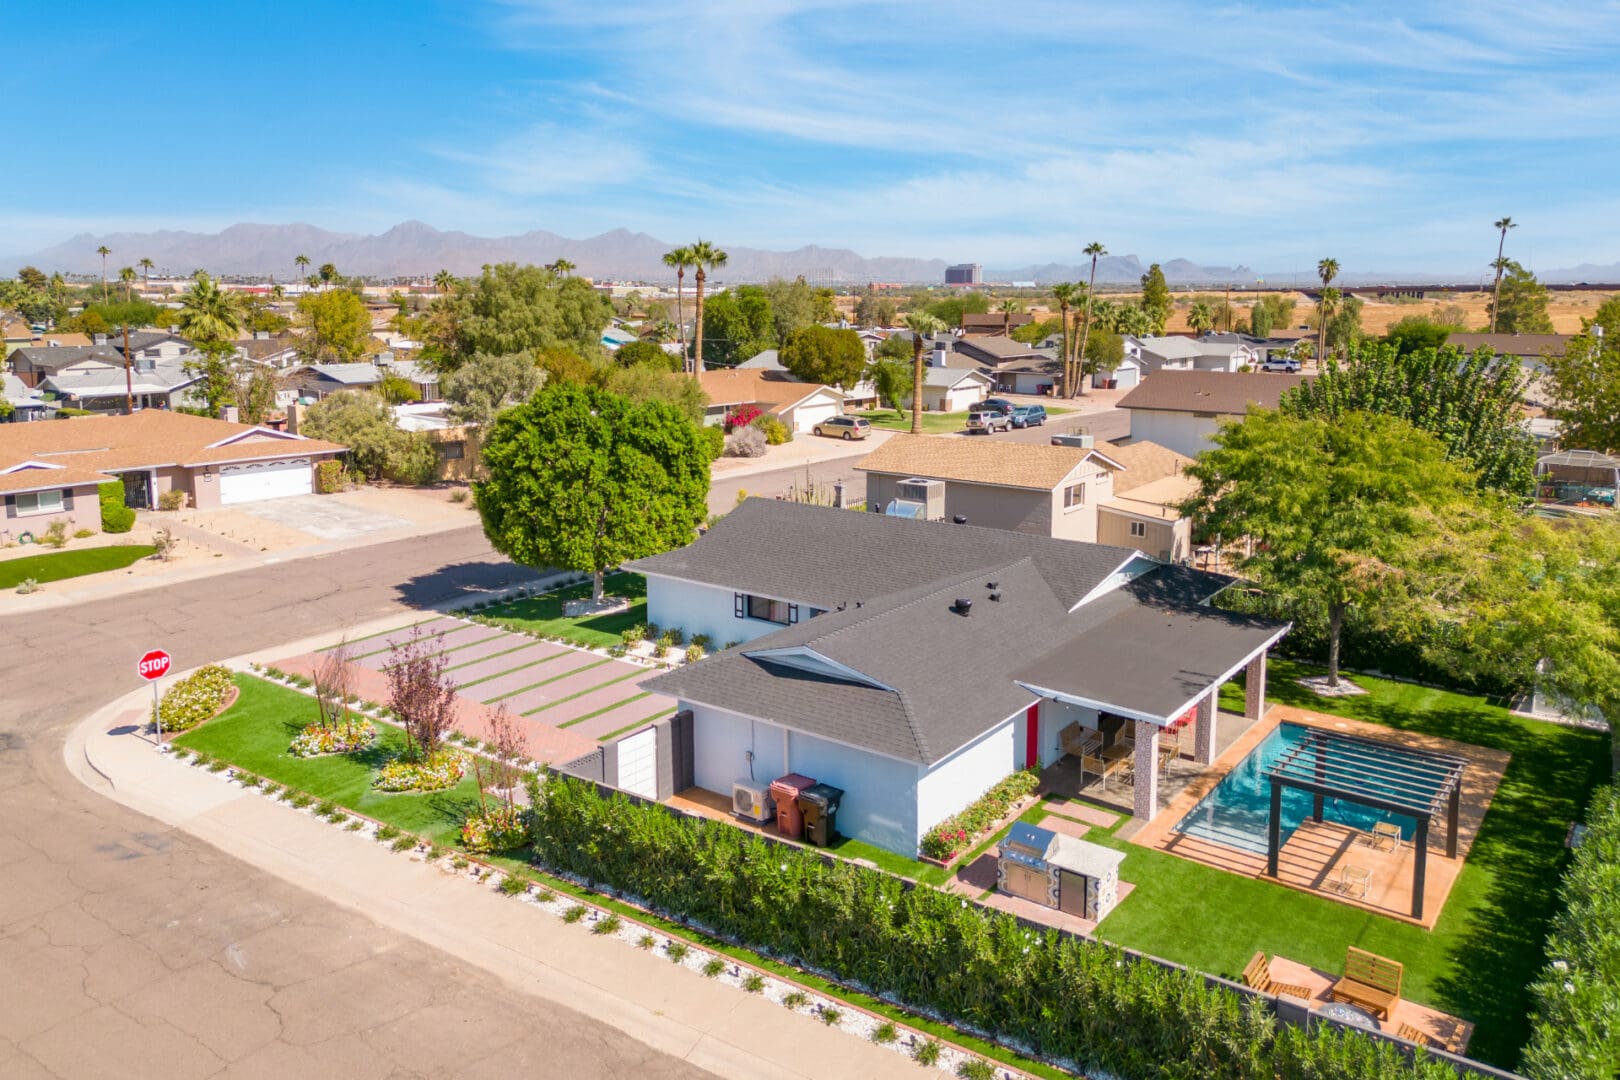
{"x":1059,"y":871}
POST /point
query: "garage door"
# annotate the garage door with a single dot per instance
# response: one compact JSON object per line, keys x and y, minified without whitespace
{"x":806,"y":417}
{"x":265,"y":480}
{"x":638,"y":763}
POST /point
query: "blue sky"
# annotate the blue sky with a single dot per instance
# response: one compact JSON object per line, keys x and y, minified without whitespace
{"x":1387,"y":135}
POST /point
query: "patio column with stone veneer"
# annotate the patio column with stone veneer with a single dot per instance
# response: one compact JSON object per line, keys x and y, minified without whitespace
{"x":1254,"y":692}
{"x":1146,"y":783}
{"x":1204,"y":728}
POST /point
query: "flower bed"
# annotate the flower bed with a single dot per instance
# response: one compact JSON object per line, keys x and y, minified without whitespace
{"x":504,"y":828}
{"x":202,"y":695}
{"x":958,"y":834}
{"x":443,"y":769}
{"x":318,"y":739}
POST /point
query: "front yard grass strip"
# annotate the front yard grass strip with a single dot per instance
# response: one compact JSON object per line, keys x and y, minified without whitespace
{"x":608,"y":708}
{"x":508,"y":671}
{"x":254,"y":734}
{"x":61,"y":565}
{"x":456,"y":648}
{"x":543,"y":682}
{"x":491,"y":656}
{"x":582,"y":693}
{"x":644,"y":721}
{"x":384,"y":633}
{"x":543,"y":614}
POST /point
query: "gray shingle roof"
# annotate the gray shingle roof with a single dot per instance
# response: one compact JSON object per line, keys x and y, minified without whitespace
{"x":823,"y":557}
{"x":57,"y":357}
{"x":1223,"y":392}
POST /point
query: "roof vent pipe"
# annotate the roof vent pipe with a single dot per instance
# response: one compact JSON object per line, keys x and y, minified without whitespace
{"x":995,"y":597}
{"x":992,"y":584}
{"x":960,"y":519}
{"x":963,"y":606}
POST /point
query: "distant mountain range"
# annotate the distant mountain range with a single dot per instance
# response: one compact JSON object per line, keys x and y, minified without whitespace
{"x":413,"y":249}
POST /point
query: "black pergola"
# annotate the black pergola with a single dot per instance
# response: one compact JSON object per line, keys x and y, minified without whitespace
{"x":1419,"y":784}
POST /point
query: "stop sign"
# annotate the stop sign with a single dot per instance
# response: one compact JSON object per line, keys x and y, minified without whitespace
{"x":154,"y":665}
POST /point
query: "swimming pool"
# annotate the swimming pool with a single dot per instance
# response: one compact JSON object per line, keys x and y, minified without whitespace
{"x":1236,"y":812}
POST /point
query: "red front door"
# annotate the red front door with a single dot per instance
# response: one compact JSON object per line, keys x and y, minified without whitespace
{"x":1032,"y":736}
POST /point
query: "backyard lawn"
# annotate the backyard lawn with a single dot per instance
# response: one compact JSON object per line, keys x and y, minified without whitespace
{"x":544,"y":614}
{"x":60,"y":565}
{"x":933,"y":423}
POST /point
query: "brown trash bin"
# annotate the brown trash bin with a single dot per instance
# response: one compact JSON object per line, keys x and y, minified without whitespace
{"x":785,"y":790}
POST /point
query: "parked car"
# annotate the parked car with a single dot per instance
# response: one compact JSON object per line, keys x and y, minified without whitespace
{"x":984,"y":421}
{"x":844,"y":427}
{"x":1024,"y":416}
{"x":996,"y":405}
{"x":1280,"y":363}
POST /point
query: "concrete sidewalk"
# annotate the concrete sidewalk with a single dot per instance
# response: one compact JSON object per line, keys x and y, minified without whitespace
{"x":658,"y":1003}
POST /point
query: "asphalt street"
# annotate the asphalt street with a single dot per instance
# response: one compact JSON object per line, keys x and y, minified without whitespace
{"x":129,"y":949}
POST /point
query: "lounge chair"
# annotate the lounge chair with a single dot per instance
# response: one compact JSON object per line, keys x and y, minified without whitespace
{"x":1257,"y":976}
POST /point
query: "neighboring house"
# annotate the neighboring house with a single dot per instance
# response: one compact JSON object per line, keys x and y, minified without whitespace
{"x":863,"y":395}
{"x":801,"y":406}
{"x":1183,"y":409}
{"x":149,"y":344}
{"x":423,"y":379}
{"x":1173,"y":352}
{"x":214,"y":462}
{"x":1263,"y":347}
{"x":35,"y":363}
{"x":951,"y":389}
{"x":1125,"y":496}
{"x":1015,"y":367}
{"x":110,"y":387}
{"x":18,"y":335}
{"x":615,"y":336}
{"x":764,"y":360}
{"x":315,"y":381}
{"x":993,"y":322}
{"x":276,"y":351}
{"x":26,"y":403}
{"x":69,"y":339}
{"x":36,"y":493}
{"x":1532,"y":350}
{"x":915,"y":664}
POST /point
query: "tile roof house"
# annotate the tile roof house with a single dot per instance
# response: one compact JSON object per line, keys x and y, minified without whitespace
{"x":801,"y":406}
{"x":1531,"y":349}
{"x":1182,"y":409}
{"x":915,"y":664}
{"x":993,"y":322}
{"x":153,"y":451}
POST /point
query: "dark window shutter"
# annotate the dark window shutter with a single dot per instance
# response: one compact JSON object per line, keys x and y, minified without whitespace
{"x":793,"y":614}
{"x":67,"y":498}
{"x":739,"y":605}
{"x":11,"y":506}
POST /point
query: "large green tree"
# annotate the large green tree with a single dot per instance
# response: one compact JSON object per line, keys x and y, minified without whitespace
{"x":645,"y":382}
{"x":510,"y":308}
{"x":951,"y":310}
{"x":209,"y":314}
{"x":737,"y":324}
{"x":892,"y":380}
{"x":1470,"y":403}
{"x":1520,"y":306}
{"x":648,"y":353}
{"x":337,"y":327}
{"x":1270,"y":312}
{"x":1586,"y":383}
{"x":874,"y":309}
{"x":796,"y":304}
{"x":1342,"y":513}
{"x":1416,"y":332}
{"x":1156,"y":297}
{"x":484,"y":385}
{"x":820,"y":354}
{"x":362,"y":421}
{"x":583,"y":479}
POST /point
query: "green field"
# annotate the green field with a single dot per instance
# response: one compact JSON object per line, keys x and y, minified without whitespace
{"x":61,"y":565}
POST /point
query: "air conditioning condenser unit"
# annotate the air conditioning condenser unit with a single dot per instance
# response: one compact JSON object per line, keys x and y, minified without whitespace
{"x":753,"y":801}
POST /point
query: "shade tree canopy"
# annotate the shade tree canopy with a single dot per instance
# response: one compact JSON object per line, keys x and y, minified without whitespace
{"x":819,"y":354}
{"x":1586,"y":384}
{"x":484,"y":385}
{"x":511,"y":308}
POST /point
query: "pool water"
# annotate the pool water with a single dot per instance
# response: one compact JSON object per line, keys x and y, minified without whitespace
{"x":1237,"y":811}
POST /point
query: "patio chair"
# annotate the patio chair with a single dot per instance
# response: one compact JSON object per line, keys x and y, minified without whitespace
{"x":1169,"y":749}
{"x":1386,"y":836}
{"x":1074,"y":741}
{"x":1257,"y":976}
{"x":1355,"y":881}
{"x":1093,"y":766}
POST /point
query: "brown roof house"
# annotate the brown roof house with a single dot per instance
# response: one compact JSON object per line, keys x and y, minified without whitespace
{"x":1183,"y":409}
{"x":52,"y":468}
{"x":993,"y":322}
{"x":801,"y":406}
{"x":1067,"y":492}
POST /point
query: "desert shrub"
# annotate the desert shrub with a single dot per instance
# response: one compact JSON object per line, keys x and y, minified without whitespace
{"x":776,"y":432}
{"x":746,"y":442}
{"x":631,"y":635}
{"x":795,"y":999}
{"x":575,"y":913}
{"x":512,"y":885}
{"x":976,"y":1069}
{"x":28,"y":585}
{"x":713,"y":966}
{"x":329,"y":478}
{"x":753,"y":982}
{"x":607,"y":925}
{"x":116,"y":517}
{"x":83,"y":534}
{"x":646,"y":941}
{"x":703,"y":641}
{"x":194,"y":698}
{"x":459,"y":495}
{"x":387,"y":832}
{"x":55,"y":534}
{"x":885,"y":1032}
{"x":676,"y":951}
{"x":713,"y":440}
{"x":173,"y":499}
{"x":830,"y":1016}
{"x":926,"y":1053}
{"x":404,"y":842}
{"x":693,"y":654}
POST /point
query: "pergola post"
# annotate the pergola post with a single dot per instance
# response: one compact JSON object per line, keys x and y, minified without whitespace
{"x":1254,"y":688}
{"x":1274,"y":828}
{"x":1317,"y":799}
{"x":1453,"y":810}
{"x":1420,"y":863}
{"x":1204,"y":728}
{"x":1145,"y":803}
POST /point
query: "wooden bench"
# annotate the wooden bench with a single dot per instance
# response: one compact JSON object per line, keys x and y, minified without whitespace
{"x":1370,"y":982}
{"x":1257,"y":976}
{"x":1452,"y":1044}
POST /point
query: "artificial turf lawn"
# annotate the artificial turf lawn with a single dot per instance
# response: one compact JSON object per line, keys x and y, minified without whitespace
{"x":933,"y":423}
{"x":60,"y":565}
{"x":544,"y":614}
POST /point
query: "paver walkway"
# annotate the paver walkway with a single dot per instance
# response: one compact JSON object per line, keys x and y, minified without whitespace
{"x":549,"y":684}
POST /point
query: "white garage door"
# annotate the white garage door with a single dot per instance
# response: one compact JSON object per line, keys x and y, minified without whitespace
{"x":806,"y":417}
{"x":265,"y":480}
{"x":638,"y":763}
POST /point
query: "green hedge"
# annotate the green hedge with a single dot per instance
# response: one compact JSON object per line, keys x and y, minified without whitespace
{"x":115,"y":516}
{"x":195,"y":698}
{"x":1576,"y":1025}
{"x":1068,"y":998}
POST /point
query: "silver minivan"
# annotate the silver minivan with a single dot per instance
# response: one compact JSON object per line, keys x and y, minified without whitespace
{"x":985,"y":421}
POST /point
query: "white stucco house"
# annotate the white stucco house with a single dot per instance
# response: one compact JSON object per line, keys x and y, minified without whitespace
{"x":1183,"y":409}
{"x":914,"y":664}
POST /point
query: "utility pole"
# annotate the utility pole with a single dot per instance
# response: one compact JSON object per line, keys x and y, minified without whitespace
{"x":129,"y":380}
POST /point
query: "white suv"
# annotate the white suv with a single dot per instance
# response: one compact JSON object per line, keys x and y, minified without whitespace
{"x":984,"y":422}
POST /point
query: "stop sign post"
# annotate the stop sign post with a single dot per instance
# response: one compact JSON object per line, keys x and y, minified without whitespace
{"x":152,"y":667}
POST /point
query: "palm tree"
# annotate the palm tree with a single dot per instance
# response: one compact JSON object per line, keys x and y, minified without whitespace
{"x":1065,"y":293}
{"x":327,"y":272}
{"x":562,"y":267}
{"x":127,"y":276}
{"x":445,"y":282}
{"x":680,"y":259}
{"x":208,"y":314}
{"x":1201,"y":316}
{"x":704,"y":256}
{"x":1096,"y":251}
{"x":300,"y":262}
{"x":1503,"y":224}
{"x":146,"y":274}
{"x":1008,"y":309}
{"x":1327,"y":270}
{"x":922,"y":326}
{"x":104,"y":251}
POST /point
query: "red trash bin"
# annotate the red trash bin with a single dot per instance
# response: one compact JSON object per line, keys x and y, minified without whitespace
{"x":785,"y":790}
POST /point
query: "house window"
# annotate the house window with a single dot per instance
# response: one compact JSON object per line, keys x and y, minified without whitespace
{"x":1138,"y":529}
{"x":452,"y":451}
{"x":39,"y":502}
{"x":1074,"y":495}
{"x":746,"y":606}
